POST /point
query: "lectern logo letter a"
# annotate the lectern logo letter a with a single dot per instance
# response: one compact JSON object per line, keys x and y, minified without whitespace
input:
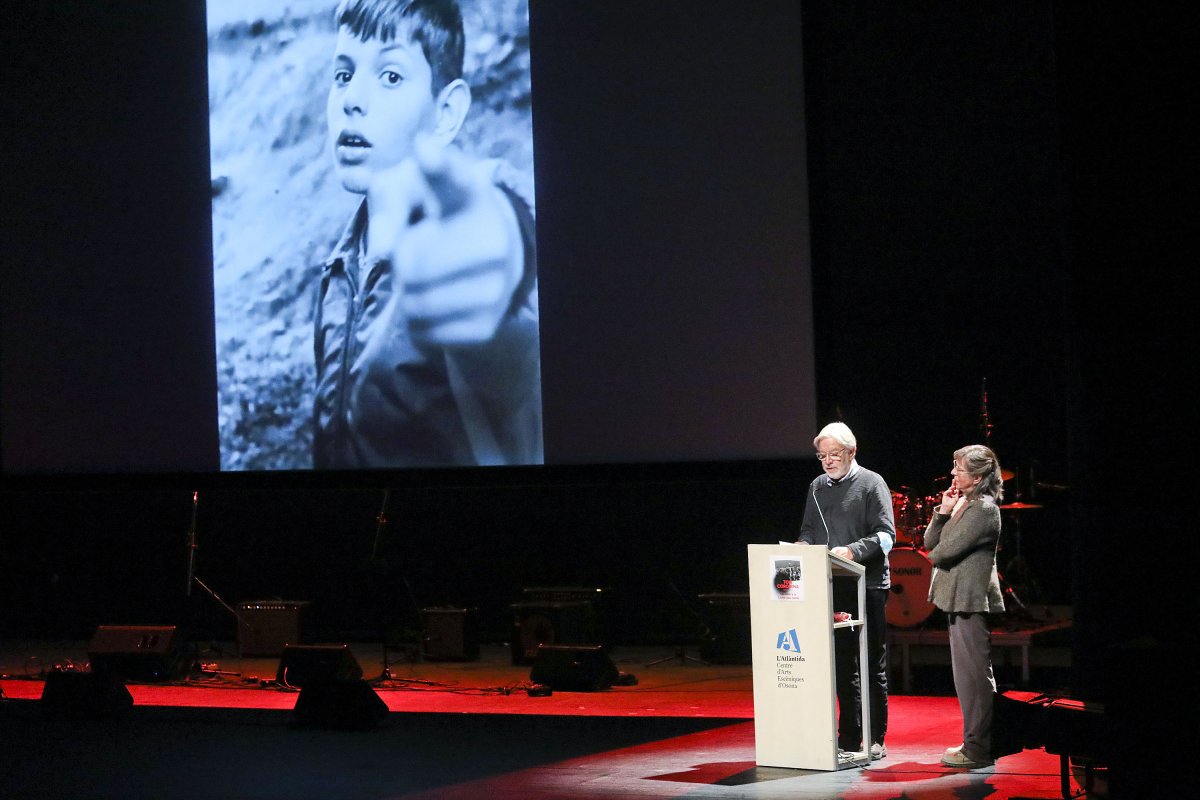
{"x":788,"y":640}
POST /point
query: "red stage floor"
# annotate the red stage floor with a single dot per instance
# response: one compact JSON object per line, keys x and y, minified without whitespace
{"x":460,"y":730}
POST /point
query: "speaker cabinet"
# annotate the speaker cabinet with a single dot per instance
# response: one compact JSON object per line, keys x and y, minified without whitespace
{"x":84,"y":695}
{"x":265,"y":626}
{"x":541,"y":622}
{"x":573,"y":668}
{"x":450,"y":634}
{"x":145,"y":653}
{"x":597,"y":600}
{"x":339,"y":705}
{"x":728,"y":618}
{"x":305,"y":665}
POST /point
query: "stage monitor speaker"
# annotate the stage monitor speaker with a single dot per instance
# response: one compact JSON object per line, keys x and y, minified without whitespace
{"x":573,"y":668}
{"x":84,"y":695}
{"x":343,"y":704}
{"x":306,"y":665}
{"x":145,"y":653}
{"x":450,"y":634}
{"x":728,"y":617}
{"x":265,"y":626}
{"x":1018,"y":722}
{"x":540,"y":622}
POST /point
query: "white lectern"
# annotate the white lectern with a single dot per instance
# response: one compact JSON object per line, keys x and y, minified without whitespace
{"x":791,"y":629}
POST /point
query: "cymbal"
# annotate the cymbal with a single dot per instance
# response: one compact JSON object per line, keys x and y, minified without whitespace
{"x":1019,"y":506}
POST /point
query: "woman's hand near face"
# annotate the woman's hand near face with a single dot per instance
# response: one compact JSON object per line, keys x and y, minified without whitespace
{"x":949,"y":498}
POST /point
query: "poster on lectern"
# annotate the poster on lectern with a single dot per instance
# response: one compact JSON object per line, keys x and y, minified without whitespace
{"x":788,"y":578}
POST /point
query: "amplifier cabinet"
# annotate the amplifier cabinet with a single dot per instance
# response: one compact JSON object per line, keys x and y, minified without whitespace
{"x":450,"y":634}
{"x":267,"y":625}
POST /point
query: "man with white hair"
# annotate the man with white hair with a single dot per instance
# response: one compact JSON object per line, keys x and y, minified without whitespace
{"x":849,"y":510}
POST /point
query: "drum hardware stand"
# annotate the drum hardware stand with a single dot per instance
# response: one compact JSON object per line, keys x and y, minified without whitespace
{"x":1015,"y":611}
{"x":1010,"y":594}
{"x":680,"y":655}
{"x":985,"y":421}
{"x":1014,"y":607}
{"x":1017,"y":562}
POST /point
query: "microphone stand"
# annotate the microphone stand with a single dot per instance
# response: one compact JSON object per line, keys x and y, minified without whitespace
{"x":191,"y":544}
{"x":192,"y":578}
{"x":373,"y":564}
{"x":227,"y":607}
{"x":680,"y":655}
{"x":377,"y":577}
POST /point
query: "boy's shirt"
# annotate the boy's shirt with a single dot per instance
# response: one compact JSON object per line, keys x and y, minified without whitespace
{"x":383,"y":401}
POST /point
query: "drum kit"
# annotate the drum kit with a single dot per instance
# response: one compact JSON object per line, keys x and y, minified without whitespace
{"x":911,"y":569}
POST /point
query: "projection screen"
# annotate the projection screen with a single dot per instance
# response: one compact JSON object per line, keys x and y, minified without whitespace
{"x":198,"y":288}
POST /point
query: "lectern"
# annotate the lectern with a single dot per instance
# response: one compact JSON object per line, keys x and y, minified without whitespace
{"x":791,"y":628}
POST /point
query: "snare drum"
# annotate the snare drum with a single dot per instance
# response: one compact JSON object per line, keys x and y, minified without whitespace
{"x":909,"y":603}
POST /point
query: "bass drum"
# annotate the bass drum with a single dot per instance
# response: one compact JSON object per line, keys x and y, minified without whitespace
{"x":911,"y":573}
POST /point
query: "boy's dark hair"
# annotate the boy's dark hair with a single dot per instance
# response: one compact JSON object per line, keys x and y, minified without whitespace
{"x":436,"y":25}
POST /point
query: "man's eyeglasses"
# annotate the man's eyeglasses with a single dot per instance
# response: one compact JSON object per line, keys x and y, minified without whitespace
{"x":835,"y":455}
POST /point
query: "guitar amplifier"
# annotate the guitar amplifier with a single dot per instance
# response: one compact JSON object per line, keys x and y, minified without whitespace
{"x":563,"y":594}
{"x":450,"y":634}
{"x":265,"y":626}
